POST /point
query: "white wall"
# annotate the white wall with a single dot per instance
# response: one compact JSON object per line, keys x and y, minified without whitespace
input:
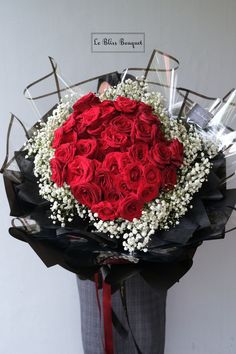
{"x":39,"y":307}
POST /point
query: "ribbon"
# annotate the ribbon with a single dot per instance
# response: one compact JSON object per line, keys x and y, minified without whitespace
{"x":96,"y":280}
{"x":107,"y":318}
{"x":107,"y":314}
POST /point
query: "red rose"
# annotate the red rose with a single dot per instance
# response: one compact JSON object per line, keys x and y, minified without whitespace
{"x":58,"y":135}
{"x":144,"y":108}
{"x":149,"y":118}
{"x":152,"y":174}
{"x":80,"y":128}
{"x":81,"y":170}
{"x":139,"y":152}
{"x":107,"y":110}
{"x":122,"y":124}
{"x":103,"y":150}
{"x":90,"y":116}
{"x":112,"y":162}
{"x":130,"y":207}
{"x":177,"y":152}
{"x":143,"y":131}
{"x":103,"y":179}
{"x":95,"y":129}
{"x":169,"y":177}
{"x":160,"y":154}
{"x":122,"y":186}
{"x":124,"y":160}
{"x":116,"y":161}
{"x":105,"y":210}
{"x":86,"y":147}
{"x":69,"y":124}
{"x":57,"y":172}
{"x":133,"y":175}
{"x":96,"y":126}
{"x":85,"y":102}
{"x":87,"y":193}
{"x":112,"y":196}
{"x":69,"y":137}
{"x":124,"y":104}
{"x":148,"y":192}
{"x":114,"y":139}
{"x":65,"y":152}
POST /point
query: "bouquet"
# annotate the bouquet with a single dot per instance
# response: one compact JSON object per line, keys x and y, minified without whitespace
{"x":134,"y":177}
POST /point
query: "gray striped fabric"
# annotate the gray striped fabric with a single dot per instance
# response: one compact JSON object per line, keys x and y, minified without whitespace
{"x":146,"y":310}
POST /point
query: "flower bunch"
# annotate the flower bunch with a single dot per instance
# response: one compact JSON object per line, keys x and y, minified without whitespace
{"x":114,"y":156}
{"x":120,"y":162}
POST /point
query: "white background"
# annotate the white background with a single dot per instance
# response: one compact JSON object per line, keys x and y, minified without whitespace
{"x":39,"y":307}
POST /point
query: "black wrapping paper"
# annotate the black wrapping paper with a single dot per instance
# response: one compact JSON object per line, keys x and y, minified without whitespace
{"x":83,"y":252}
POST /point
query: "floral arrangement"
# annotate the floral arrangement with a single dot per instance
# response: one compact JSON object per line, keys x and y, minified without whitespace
{"x":119,"y":178}
{"x":133,"y":175}
{"x":120,"y":162}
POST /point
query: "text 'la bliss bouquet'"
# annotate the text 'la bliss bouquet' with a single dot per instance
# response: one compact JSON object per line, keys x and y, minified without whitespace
{"x":133,"y":175}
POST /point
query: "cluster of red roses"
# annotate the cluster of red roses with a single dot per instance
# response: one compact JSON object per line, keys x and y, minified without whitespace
{"x":114,"y":156}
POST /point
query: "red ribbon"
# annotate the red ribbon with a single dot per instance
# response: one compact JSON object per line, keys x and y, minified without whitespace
{"x":107,"y":314}
{"x":107,"y":318}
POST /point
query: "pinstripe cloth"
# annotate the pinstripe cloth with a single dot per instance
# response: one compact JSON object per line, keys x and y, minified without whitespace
{"x":146,"y":310}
